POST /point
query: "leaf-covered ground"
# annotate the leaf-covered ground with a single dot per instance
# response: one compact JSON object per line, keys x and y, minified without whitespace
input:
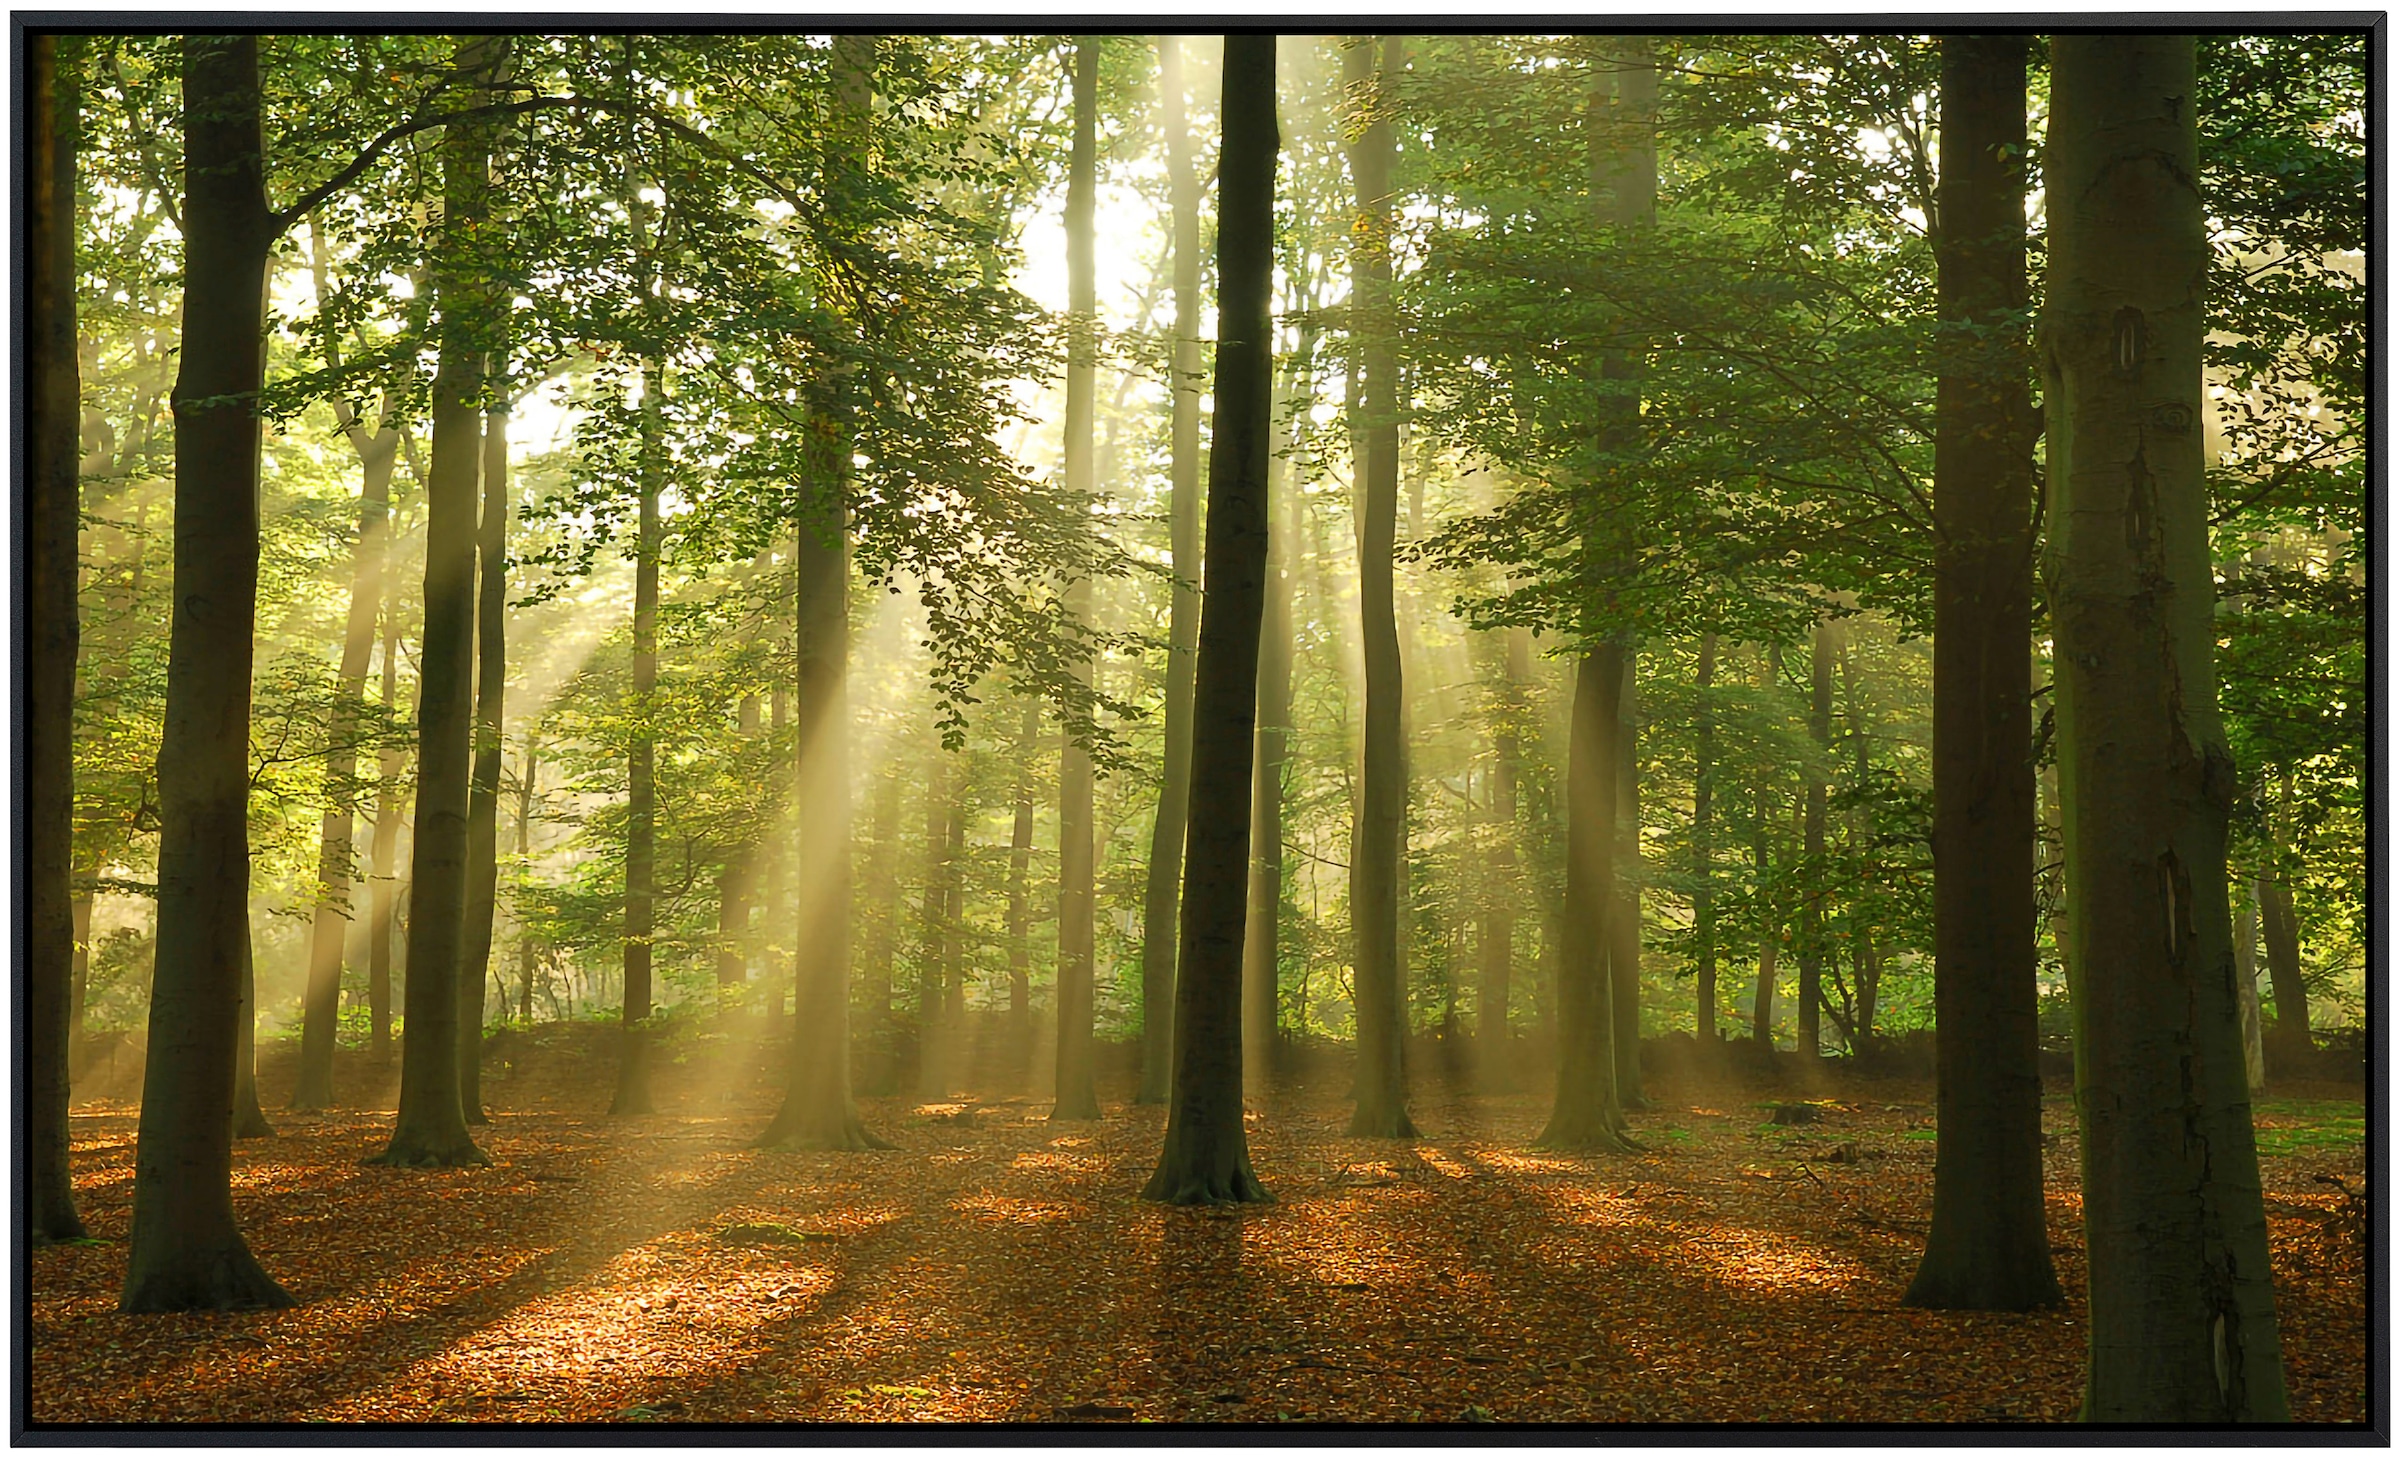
{"x":999,"y":1267}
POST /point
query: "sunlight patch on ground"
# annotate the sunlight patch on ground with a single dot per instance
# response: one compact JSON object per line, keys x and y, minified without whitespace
{"x":1035,"y":1161}
{"x":1509,"y":1161}
{"x":1444,"y":1163}
{"x":1010,"y":1210}
{"x":1336,"y":1243}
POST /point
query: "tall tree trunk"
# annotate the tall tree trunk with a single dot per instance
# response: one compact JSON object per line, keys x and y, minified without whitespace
{"x":1375,"y":849}
{"x":934,"y":939}
{"x":1262,"y":927}
{"x":1495,"y":1046}
{"x":1762,"y":868}
{"x":2294,"y":1045}
{"x":1183,"y":626}
{"x":483,"y":790}
{"x":431,"y":1129}
{"x":1586,"y":1114}
{"x":641,"y":784}
{"x":881,"y":1075}
{"x":249,"y":1120}
{"x":1989,"y":1248}
{"x":2245,"y":979}
{"x":1625,"y":915}
{"x":1206,"y":1155}
{"x":185,"y":1253}
{"x":525,"y":951}
{"x":53,"y":412}
{"x":1823,"y":645}
{"x":1704,"y":850}
{"x":1020,"y":908}
{"x":954,"y":915}
{"x":1076,"y":1098}
{"x":378,"y":450}
{"x":2182,"y":1324}
{"x":385,"y":850}
{"x":818,"y":1111}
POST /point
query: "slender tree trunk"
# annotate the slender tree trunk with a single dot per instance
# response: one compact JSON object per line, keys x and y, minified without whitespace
{"x":1262,"y":949}
{"x":2245,"y":978}
{"x":185,"y":1253}
{"x":51,"y":931}
{"x":1586,"y":1114}
{"x":1762,"y":864}
{"x":641,"y":798}
{"x":1206,"y":1156}
{"x":378,"y":452}
{"x":1375,"y":848}
{"x":1823,"y":645}
{"x":483,"y":790}
{"x":2182,"y":1318}
{"x":1625,"y":916}
{"x":525,"y":952}
{"x":1495,"y":1046}
{"x":80,"y":918}
{"x":954,"y":916}
{"x":881,"y":1075}
{"x":2295,"y":1046}
{"x":1989,"y":1247}
{"x":431,"y":1129}
{"x":249,"y":1120}
{"x":1020,"y":906}
{"x":1076,"y":1098}
{"x":1704,"y":850}
{"x":1183,"y":629}
{"x":933,"y":941}
{"x":385,"y":850}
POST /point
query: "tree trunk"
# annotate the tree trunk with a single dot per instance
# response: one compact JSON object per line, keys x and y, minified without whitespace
{"x":483,"y":790}
{"x":1809,"y":1039}
{"x":1262,"y":928}
{"x":2295,"y":1046}
{"x":2182,"y":1323}
{"x":525,"y":954}
{"x":378,"y":451}
{"x":1989,"y":1248}
{"x":934,"y":940}
{"x":881,"y":1075}
{"x":249,"y":1120}
{"x":53,"y":552}
{"x":1586,"y":1114}
{"x":1375,"y":849}
{"x":1020,"y":909}
{"x":1704,"y":851}
{"x":386,"y":847}
{"x":2245,"y":979}
{"x":1076,"y":1098}
{"x":185,"y":1253}
{"x":1206,"y":1155}
{"x":431,"y":1129}
{"x":641,"y":782}
{"x":1183,"y":628}
{"x":1495,"y":1046}
{"x":1625,"y":915}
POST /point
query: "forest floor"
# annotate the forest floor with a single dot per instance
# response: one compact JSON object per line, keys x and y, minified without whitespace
{"x":999,"y":1267}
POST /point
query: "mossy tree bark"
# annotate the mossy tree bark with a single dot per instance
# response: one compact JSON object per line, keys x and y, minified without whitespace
{"x":2182,"y":1319}
{"x":50,"y":932}
{"x":1381,"y":1083}
{"x":1989,"y":1246}
{"x":1206,"y":1156}
{"x":1183,"y":624}
{"x":431,"y":1129}
{"x":185,"y":1253}
{"x":1076,"y":1096}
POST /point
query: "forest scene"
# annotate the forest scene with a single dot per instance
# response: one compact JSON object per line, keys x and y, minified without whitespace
{"x":1435,"y":728}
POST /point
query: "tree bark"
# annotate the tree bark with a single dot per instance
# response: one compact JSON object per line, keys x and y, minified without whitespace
{"x":1989,"y":1247}
{"x":1206,"y":1155}
{"x":385,"y":850}
{"x":1262,"y":929}
{"x":934,"y":938}
{"x":1076,"y":1098}
{"x":525,"y":951}
{"x":1496,"y":941}
{"x":881,"y":1075}
{"x":431,"y":1129}
{"x":249,"y":1120}
{"x":483,"y":789}
{"x":1183,"y":625}
{"x":1809,"y":1039}
{"x":1020,"y":908}
{"x":1375,"y":849}
{"x":2245,"y":978}
{"x":1586,"y":1114}
{"x":1625,"y":916}
{"x":2294,"y":1046}
{"x":185,"y":1253}
{"x":2182,"y":1320}
{"x":1704,"y":851}
{"x":50,"y":933}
